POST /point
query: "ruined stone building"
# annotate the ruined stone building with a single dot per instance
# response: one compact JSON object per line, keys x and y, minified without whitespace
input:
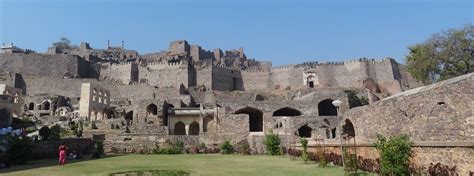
{"x":199,"y":96}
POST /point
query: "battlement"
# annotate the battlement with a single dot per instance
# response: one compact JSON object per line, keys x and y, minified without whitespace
{"x":283,"y":68}
{"x":164,"y":65}
{"x":226,"y":67}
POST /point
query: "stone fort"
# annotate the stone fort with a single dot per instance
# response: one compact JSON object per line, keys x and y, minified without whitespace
{"x":137,"y":101}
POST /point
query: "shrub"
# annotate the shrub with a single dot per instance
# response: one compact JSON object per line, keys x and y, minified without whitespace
{"x":226,"y":148}
{"x":243,"y":147}
{"x":304,"y":153}
{"x":440,"y":169}
{"x":395,"y":154}
{"x":272,"y":144}
{"x":44,"y":132}
{"x":173,"y":148}
{"x":21,"y":123}
{"x":19,"y":150}
{"x":350,"y":161}
{"x":321,"y":158}
{"x":55,"y":132}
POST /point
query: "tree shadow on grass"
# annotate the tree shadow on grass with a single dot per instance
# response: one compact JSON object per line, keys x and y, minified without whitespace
{"x":34,"y":164}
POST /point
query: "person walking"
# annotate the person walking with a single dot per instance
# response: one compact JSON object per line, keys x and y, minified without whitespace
{"x":62,"y":154}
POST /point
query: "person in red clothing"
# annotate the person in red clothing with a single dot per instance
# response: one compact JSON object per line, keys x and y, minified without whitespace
{"x":62,"y":154}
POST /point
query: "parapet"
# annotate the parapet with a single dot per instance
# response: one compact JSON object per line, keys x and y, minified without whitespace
{"x":164,"y":65}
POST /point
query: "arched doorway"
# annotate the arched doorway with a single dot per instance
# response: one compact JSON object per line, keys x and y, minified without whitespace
{"x":129,"y":118}
{"x":305,"y":131}
{"x":194,"y":128}
{"x":326,"y":108}
{"x":255,"y":118}
{"x":179,"y":128}
{"x":152,"y":109}
{"x":310,"y":81}
{"x":348,"y":129}
{"x":31,"y":106}
{"x":286,"y":111}
{"x":208,"y":125}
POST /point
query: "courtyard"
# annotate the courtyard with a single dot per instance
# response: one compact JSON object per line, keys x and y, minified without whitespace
{"x":198,"y":164}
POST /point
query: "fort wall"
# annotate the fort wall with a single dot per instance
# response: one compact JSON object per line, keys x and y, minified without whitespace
{"x":48,"y":65}
{"x":163,"y":74}
{"x":125,"y":73}
{"x":256,"y":80}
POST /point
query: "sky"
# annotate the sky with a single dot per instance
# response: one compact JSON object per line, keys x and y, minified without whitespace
{"x":281,"y":31}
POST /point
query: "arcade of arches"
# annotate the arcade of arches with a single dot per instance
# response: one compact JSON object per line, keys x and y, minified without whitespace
{"x":180,"y":128}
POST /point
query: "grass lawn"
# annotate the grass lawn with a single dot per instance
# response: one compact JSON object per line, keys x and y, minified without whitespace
{"x":199,"y":164}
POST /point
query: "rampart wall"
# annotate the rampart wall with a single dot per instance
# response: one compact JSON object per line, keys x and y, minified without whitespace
{"x":48,"y":65}
{"x":165,"y":74}
{"x":125,"y":73}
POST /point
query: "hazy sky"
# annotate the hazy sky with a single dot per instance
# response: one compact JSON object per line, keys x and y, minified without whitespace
{"x":283,"y":32}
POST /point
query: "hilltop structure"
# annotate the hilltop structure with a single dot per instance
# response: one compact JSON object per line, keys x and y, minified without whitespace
{"x":190,"y":94}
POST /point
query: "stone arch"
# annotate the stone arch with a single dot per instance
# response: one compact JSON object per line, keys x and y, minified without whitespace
{"x":129,"y":118}
{"x":179,"y":128}
{"x":194,"y":128}
{"x":348,"y":129}
{"x":209,"y":124}
{"x":255,"y":118}
{"x":31,"y":106}
{"x":152,"y":109}
{"x":326,"y":108}
{"x":286,"y":111}
{"x":46,"y":105}
{"x":305,"y":131}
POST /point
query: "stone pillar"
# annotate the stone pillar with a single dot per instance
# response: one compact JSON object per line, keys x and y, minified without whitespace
{"x":187,"y":129}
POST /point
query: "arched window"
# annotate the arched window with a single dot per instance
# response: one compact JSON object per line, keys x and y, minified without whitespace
{"x":152,"y":109}
{"x":179,"y":128}
{"x":45,"y":105}
{"x":31,"y":106}
{"x":255,"y":118}
{"x":194,"y":128}
{"x":209,"y":124}
{"x":286,"y":111}
{"x":305,"y":131}
{"x":326,"y":108}
{"x":348,"y":129}
{"x":129,"y":118}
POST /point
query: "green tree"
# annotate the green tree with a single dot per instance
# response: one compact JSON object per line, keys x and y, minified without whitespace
{"x":19,"y":150}
{"x":44,"y":132}
{"x":395,"y":153}
{"x":55,"y":132}
{"x":354,"y":100}
{"x":63,"y":43}
{"x":272,"y":144}
{"x":304,"y":153}
{"x":444,"y":55}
